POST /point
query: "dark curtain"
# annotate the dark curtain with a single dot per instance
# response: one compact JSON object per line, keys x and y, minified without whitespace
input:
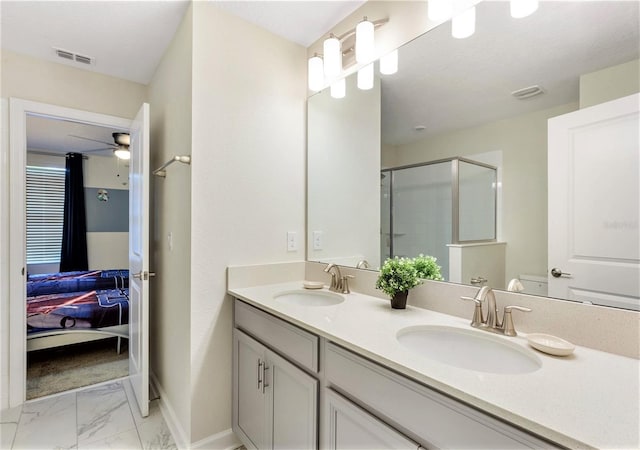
{"x":74,"y":232}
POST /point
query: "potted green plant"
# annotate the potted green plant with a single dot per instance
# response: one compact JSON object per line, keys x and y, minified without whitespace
{"x":427,"y":267}
{"x":397,"y":276}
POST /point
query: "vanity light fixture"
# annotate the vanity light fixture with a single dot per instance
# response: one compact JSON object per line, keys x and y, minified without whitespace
{"x":522,"y":8}
{"x":440,"y":10}
{"x":389,"y":63}
{"x":332,"y":57}
{"x":359,"y":44}
{"x":365,"y":43}
{"x":315,"y":72}
{"x":339,"y":88}
{"x":464,"y":24}
{"x":365,"y":77}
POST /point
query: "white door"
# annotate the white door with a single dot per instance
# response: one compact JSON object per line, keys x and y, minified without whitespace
{"x":594,"y":245}
{"x":139,"y":259}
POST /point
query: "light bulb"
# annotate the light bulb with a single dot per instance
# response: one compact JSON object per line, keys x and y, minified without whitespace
{"x":523,"y":8}
{"x":365,"y":77}
{"x":464,"y":24}
{"x":389,"y":63}
{"x":332,"y":57}
{"x":365,"y":43}
{"x":122,"y":152}
{"x":339,"y":88}
{"x":440,"y":10}
{"x":315,"y":73}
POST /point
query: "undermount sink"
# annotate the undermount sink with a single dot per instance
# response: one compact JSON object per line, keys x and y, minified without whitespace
{"x":469,"y":349}
{"x":309,"y":298}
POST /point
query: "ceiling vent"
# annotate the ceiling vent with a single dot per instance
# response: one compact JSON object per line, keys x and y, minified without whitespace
{"x":528,"y":92}
{"x":70,"y":56}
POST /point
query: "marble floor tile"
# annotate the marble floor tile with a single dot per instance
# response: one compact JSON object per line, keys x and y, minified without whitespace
{"x":102,"y":417}
{"x":7,"y":433}
{"x":153,"y":430}
{"x":127,"y":440}
{"x":48,"y":423}
{"x":103,"y":412}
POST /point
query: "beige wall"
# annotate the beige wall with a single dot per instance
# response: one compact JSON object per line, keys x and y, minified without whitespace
{"x":610,"y":83}
{"x":4,"y":256}
{"x":523,"y":143}
{"x":57,"y":84}
{"x":248,"y":184}
{"x":169,"y":341}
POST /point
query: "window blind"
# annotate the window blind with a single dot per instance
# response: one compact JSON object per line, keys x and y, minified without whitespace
{"x":45,"y":213}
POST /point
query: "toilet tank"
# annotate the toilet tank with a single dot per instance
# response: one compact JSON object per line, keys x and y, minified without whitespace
{"x":534,"y":284}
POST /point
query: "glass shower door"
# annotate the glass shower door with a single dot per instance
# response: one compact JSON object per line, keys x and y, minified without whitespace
{"x":422,"y":212}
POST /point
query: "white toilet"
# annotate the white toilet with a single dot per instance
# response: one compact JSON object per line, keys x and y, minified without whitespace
{"x":534,"y":284}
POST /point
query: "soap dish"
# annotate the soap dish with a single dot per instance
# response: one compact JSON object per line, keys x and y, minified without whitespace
{"x":312,"y":284}
{"x":552,"y":345}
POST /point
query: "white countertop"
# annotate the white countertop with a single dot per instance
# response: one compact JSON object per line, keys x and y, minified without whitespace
{"x":588,"y":399}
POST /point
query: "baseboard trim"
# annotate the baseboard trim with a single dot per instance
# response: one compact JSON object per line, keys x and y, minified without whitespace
{"x":170,"y":417}
{"x":225,"y":440}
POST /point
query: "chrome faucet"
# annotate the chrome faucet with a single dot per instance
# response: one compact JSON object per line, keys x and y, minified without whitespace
{"x":362,"y":264}
{"x":336,"y":277}
{"x":491,"y":322}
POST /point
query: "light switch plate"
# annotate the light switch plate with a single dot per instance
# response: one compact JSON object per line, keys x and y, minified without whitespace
{"x":292,"y":241}
{"x":317,"y":240}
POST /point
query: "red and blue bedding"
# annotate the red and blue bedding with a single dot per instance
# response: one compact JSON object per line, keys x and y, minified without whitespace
{"x":103,"y":303}
{"x":80,"y":281}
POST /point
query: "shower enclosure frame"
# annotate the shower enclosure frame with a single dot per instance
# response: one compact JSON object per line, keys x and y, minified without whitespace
{"x":455,"y":198}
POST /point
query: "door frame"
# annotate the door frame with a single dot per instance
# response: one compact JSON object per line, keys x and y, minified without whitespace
{"x":18,"y":111}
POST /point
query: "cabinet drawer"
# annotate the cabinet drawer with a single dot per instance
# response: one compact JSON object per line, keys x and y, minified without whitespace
{"x":434,"y":419}
{"x":298,"y":345}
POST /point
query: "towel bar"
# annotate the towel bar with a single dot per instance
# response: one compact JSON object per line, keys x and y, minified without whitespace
{"x":161,"y":172}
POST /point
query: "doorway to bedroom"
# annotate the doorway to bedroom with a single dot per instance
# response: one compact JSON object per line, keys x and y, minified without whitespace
{"x":77,"y":306}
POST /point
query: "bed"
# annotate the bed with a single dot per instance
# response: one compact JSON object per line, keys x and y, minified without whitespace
{"x":72,"y":307}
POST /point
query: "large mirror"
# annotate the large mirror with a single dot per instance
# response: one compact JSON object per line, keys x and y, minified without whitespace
{"x":375,"y":156}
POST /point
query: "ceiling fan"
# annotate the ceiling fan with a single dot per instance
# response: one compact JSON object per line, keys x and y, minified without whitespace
{"x":120,"y":145}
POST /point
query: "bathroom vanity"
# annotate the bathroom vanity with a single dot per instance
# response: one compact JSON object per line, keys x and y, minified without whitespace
{"x":337,"y":376}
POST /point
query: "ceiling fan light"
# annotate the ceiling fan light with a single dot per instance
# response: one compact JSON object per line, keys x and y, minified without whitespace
{"x":332,"y":57}
{"x":522,"y":8}
{"x":389,"y":63}
{"x":365,"y":44}
{"x":365,"y":77}
{"x":122,"y":153}
{"x":464,"y":24}
{"x":315,"y":73}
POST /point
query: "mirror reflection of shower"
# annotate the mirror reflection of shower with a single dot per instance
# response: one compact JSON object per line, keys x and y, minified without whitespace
{"x":430,"y":207}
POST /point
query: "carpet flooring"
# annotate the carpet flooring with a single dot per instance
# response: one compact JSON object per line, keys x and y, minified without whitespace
{"x":60,"y":369}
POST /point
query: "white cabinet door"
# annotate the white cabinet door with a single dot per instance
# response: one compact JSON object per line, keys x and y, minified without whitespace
{"x":249,"y":400}
{"x":350,"y":427}
{"x":275,"y":403}
{"x":293,"y":398}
